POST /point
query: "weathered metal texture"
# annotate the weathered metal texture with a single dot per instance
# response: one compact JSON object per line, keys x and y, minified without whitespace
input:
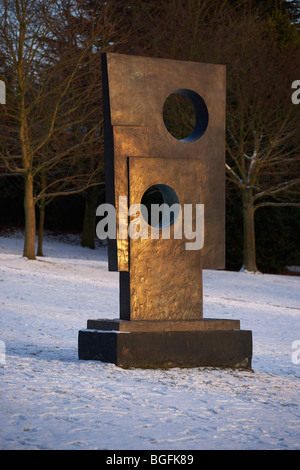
{"x":164,"y":279}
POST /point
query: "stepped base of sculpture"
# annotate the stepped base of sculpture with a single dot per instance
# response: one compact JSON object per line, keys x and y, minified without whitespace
{"x":164,"y":344}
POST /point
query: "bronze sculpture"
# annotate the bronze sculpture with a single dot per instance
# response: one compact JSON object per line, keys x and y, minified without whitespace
{"x":161,"y":277}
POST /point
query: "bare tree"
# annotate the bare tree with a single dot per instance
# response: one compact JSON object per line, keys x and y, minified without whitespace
{"x":51,"y":128}
{"x":263,"y":142}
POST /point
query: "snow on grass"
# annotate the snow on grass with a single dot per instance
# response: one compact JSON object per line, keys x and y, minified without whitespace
{"x":51,"y":400}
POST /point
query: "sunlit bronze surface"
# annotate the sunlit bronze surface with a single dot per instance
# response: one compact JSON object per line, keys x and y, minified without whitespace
{"x":164,"y":280}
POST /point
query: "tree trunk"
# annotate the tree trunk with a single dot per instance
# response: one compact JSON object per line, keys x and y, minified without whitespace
{"x":89,"y":221}
{"x":30,"y":223}
{"x":249,"y":252}
{"x":42,"y":208}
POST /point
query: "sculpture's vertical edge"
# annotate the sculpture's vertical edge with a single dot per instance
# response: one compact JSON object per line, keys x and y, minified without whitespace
{"x":124,"y":295}
{"x":124,"y":277}
{"x":108,"y":160}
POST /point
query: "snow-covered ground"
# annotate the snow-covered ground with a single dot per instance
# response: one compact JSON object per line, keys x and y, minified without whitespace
{"x":51,"y":400}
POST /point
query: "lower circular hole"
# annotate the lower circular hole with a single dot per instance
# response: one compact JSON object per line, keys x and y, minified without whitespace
{"x":156,"y":196}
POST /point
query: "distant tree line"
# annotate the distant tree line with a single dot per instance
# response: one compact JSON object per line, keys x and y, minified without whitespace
{"x":51,"y":132}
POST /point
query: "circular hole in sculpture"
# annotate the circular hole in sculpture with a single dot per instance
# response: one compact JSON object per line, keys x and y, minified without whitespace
{"x":160,"y":206}
{"x":185,"y":115}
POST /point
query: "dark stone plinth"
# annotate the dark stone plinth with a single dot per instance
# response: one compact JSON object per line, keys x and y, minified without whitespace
{"x":165,"y":348}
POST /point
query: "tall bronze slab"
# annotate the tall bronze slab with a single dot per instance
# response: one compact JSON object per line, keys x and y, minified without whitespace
{"x":135,"y":90}
{"x":161,"y":280}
